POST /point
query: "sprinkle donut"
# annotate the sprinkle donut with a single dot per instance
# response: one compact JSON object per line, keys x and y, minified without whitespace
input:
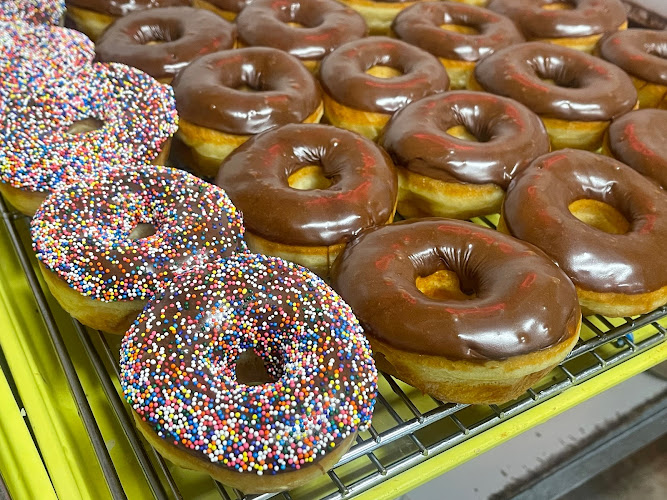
{"x":33,"y":11}
{"x":108,"y":115}
{"x":104,"y":243}
{"x":182,"y":365}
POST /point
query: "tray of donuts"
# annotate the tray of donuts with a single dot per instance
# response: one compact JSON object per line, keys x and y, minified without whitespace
{"x":330,"y":158}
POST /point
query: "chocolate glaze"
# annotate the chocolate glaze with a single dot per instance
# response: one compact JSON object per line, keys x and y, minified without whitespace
{"x":235,"y":6}
{"x":206,"y":90}
{"x":510,"y":136}
{"x":536,"y":210}
{"x":186,"y":34}
{"x":327,"y":25}
{"x":363,"y":193}
{"x":124,"y":7}
{"x":589,"y":89}
{"x":587,"y":17}
{"x":343,"y":74}
{"x":640,"y":53}
{"x":639,"y":139}
{"x":420,"y":25}
{"x":523,"y":303}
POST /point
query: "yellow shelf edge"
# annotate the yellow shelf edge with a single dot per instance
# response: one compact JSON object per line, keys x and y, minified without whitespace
{"x":447,"y":460}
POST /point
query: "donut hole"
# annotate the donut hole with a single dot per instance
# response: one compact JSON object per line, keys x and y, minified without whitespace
{"x":85,"y":125}
{"x":460,"y":28}
{"x":142,"y":230}
{"x":554,"y":71}
{"x":308,"y":178}
{"x":558,"y":5}
{"x":599,"y":215}
{"x":156,"y":33}
{"x":383,"y":71}
{"x":251,"y":370}
{"x":462,"y":132}
{"x":443,"y":284}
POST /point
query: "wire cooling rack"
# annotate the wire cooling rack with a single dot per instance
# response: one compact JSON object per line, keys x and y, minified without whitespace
{"x":408,"y":427}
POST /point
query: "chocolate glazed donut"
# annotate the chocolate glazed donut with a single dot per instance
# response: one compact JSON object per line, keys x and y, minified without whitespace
{"x":512,"y":318}
{"x":289,"y":215}
{"x":457,"y":152}
{"x":618,"y":269}
{"x":575,"y":94}
{"x":161,"y":42}
{"x":643,"y":55}
{"x":323,"y":25}
{"x":458,"y":34}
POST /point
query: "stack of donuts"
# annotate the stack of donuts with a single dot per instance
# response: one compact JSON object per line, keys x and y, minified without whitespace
{"x":316,"y":146}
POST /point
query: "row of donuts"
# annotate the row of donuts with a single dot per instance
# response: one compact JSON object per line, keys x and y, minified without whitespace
{"x":118,"y":235}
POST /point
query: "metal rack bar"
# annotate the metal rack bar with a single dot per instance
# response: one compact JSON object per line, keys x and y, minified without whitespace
{"x":108,"y":469}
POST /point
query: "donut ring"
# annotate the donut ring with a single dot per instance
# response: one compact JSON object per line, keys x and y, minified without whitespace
{"x":124,"y":231}
{"x":309,"y":226}
{"x":185,"y":34}
{"x":33,"y":11}
{"x":324,"y":25}
{"x":578,"y":27}
{"x":359,"y":101}
{"x":576,"y":109}
{"x":217,"y":116}
{"x":641,"y":54}
{"x":457,"y":48}
{"x":639,"y":139}
{"x":618,"y":274}
{"x":181,"y":373}
{"x":444,"y":174}
{"x":132,"y":116}
{"x":516,"y":318}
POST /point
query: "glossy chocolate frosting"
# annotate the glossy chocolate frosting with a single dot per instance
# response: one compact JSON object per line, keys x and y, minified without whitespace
{"x":639,"y":139}
{"x":586,"y":88}
{"x":326,"y":24}
{"x":640,"y":53}
{"x":586,"y":17}
{"x":208,"y":90}
{"x":124,"y":7}
{"x":522,"y":302}
{"x":362,"y":193}
{"x":343,"y":74}
{"x":420,"y":25}
{"x":510,"y":137}
{"x":185,"y":34}
{"x":536,"y":210}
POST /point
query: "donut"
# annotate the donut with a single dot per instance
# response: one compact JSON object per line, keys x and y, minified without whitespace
{"x":40,"y":53}
{"x":576,"y":95}
{"x":306,"y":29}
{"x":228,"y":9}
{"x":639,"y":139}
{"x":92,"y":17}
{"x":163,"y":41}
{"x":576,"y":24}
{"x":108,"y":114}
{"x":459,"y":311}
{"x":225,"y":98}
{"x":33,"y":11}
{"x":250,"y":369}
{"x":306,"y":190}
{"x":366,"y":81}
{"x":642,"y":54}
{"x":457,"y":34}
{"x":105,"y":243}
{"x":457,"y":152}
{"x":603,"y":223}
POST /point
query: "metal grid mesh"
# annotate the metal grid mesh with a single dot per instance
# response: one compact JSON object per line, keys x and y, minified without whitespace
{"x":408,"y":427}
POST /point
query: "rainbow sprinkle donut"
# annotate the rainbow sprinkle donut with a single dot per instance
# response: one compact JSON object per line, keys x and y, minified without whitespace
{"x":34,"y":11}
{"x":181,"y":366}
{"x":108,"y":114}
{"x":105,"y":243}
{"x":41,"y":51}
